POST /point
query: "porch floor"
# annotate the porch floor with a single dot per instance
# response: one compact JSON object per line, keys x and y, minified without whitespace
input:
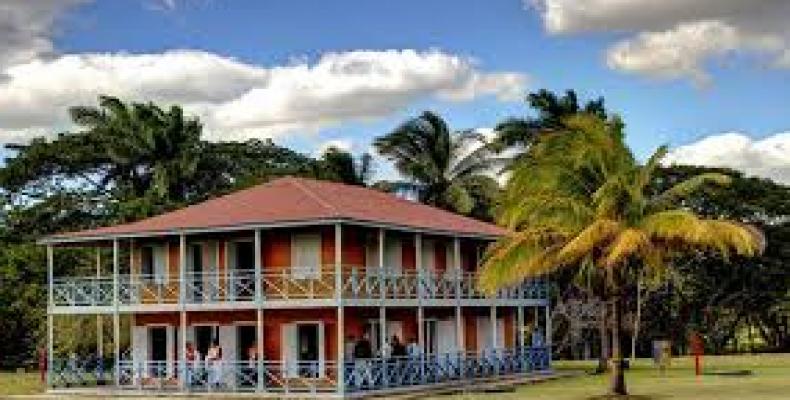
{"x":404,"y":392}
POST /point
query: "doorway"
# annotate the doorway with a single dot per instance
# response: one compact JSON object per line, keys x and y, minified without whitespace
{"x":244,"y":270}
{"x":205,"y":335}
{"x":308,"y":349}
{"x":246,"y":340}
{"x":431,"y":333}
{"x":157,"y":336}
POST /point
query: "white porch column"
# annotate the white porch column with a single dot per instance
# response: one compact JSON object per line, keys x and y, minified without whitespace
{"x":99,"y":322}
{"x":341,"y":362}
{"x":459,"y":335}
{"x":494,"y":339}
{"x":182,"y":300}
{"x":50,"y":327}
{"x":420,"y":292}
{"x":259,"y":304}
{"x":382,"y":308}
{"x":116,"y":324}
{"x":520,"y":327}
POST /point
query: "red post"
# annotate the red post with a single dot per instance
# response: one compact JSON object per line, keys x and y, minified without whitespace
{"x":697,"y":349}
{"x":698,"y":364}
{"x":42,"y":364}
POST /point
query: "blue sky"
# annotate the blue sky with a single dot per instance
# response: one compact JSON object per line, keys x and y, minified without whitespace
{"x":742,"y":89}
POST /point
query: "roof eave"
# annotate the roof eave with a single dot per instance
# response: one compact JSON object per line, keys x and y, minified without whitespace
{"x":69,"y":239}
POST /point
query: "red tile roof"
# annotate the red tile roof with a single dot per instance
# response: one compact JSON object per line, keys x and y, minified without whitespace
{"x":296,"y":200}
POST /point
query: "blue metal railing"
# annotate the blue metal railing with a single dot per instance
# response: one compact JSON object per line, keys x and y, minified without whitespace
{"x":301,"y":377}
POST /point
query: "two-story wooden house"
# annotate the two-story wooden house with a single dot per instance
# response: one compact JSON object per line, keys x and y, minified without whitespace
{"x":291,"y":287}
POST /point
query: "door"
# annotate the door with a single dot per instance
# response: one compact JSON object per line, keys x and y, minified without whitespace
{"x":485,"y":335}
{"x":373,"y":331}
{"x":306,"y":255}
{"x":158,"y":350}
{"x":205,"y":335}
{"x":247,"y":347}
{"x":303,"y":349}
{"x":244,"y":270}
{"x":446,"y":339}
{"x":395,"y":328}
{"x":307,"y":354}
{"x":393,"y":255}
{"x":431,"y":332}
{"x":246,"y":341}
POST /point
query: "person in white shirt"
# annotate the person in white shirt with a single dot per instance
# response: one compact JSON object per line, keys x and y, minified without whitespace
{"x":214,"y":364}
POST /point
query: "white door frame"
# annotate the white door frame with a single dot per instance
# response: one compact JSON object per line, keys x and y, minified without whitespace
{"x":294,"y":352}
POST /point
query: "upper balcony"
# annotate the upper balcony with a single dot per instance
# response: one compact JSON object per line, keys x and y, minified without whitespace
{"x":288,"y":287}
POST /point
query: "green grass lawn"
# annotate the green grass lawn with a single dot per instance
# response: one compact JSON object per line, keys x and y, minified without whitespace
{"x":770,"y":380}
{"x":19,"y":383}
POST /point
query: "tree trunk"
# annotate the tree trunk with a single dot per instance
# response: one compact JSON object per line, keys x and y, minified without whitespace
{"x":603,"y":331}
{"x":637,"y":319}
{"x":617,"y":383}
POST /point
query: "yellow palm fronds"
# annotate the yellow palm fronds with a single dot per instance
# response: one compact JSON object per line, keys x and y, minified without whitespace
{"x":595,"y":236}
{"x":628,"y":243}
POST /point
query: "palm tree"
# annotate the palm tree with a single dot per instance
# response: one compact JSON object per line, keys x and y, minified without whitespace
{"x":442,"y":168}
{"x":581,"y":200}
{"x":552,"y":110}
{"x":149,"y":151}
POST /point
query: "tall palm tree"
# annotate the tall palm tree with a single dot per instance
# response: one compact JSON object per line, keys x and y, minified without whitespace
{"x":552,"y":110}
{"x":149,"y":151}
{"x":442,"y":168}
{"x":581,"y":200}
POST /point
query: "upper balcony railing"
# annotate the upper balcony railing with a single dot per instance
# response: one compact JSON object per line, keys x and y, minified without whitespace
{"x":286,"y":284}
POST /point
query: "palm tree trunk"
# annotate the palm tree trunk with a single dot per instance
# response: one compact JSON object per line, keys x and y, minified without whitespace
{"x":603,"y":331}
{"x":637,"y":320}
{"x":617,"y":383}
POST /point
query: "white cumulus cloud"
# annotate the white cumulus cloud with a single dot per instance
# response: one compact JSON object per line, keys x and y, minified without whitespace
{"x":767,"y":158}
{"x":676,"y":38}
{"x":239,"y":100}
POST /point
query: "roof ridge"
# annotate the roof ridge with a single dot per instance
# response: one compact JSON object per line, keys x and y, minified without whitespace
{"x":299,"y":184}
{"x":393,"y":197}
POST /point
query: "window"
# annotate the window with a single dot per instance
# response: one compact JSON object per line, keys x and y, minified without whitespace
{"x":147,"y":262}
{"x":306,"y":256}
{"x":153,"y":264}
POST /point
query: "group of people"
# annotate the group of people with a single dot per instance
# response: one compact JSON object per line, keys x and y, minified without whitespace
{"x":362,"y":348}
{"x":359,"y":354}
{"x":208,"y":368}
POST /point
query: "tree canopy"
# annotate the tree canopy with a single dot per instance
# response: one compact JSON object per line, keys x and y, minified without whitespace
{"x":580,"y":199}
{"x":443,"y":168}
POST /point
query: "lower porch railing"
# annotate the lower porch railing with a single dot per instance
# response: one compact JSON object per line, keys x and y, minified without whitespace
{"x":302,"y":377}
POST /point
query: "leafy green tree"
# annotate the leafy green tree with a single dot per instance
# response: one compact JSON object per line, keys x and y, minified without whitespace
{"x":442,"y":168}
{"x":581,"y":200}
{"x":126,"y":161}
{"x":341,"y":166}
{"x":152,"y":151}
{"x":718,"y":299}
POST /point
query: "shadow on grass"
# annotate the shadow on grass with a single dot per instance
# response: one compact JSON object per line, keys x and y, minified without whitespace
{"x":626,"y":397}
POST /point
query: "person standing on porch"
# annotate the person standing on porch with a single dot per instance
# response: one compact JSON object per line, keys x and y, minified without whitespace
{"x":398,"y":349}
{"x":191,"y":356}
{"x":348,"y":348}
{"x":214,"y":364}
{"x":363,"y":352}
{"x":252,"y":363}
